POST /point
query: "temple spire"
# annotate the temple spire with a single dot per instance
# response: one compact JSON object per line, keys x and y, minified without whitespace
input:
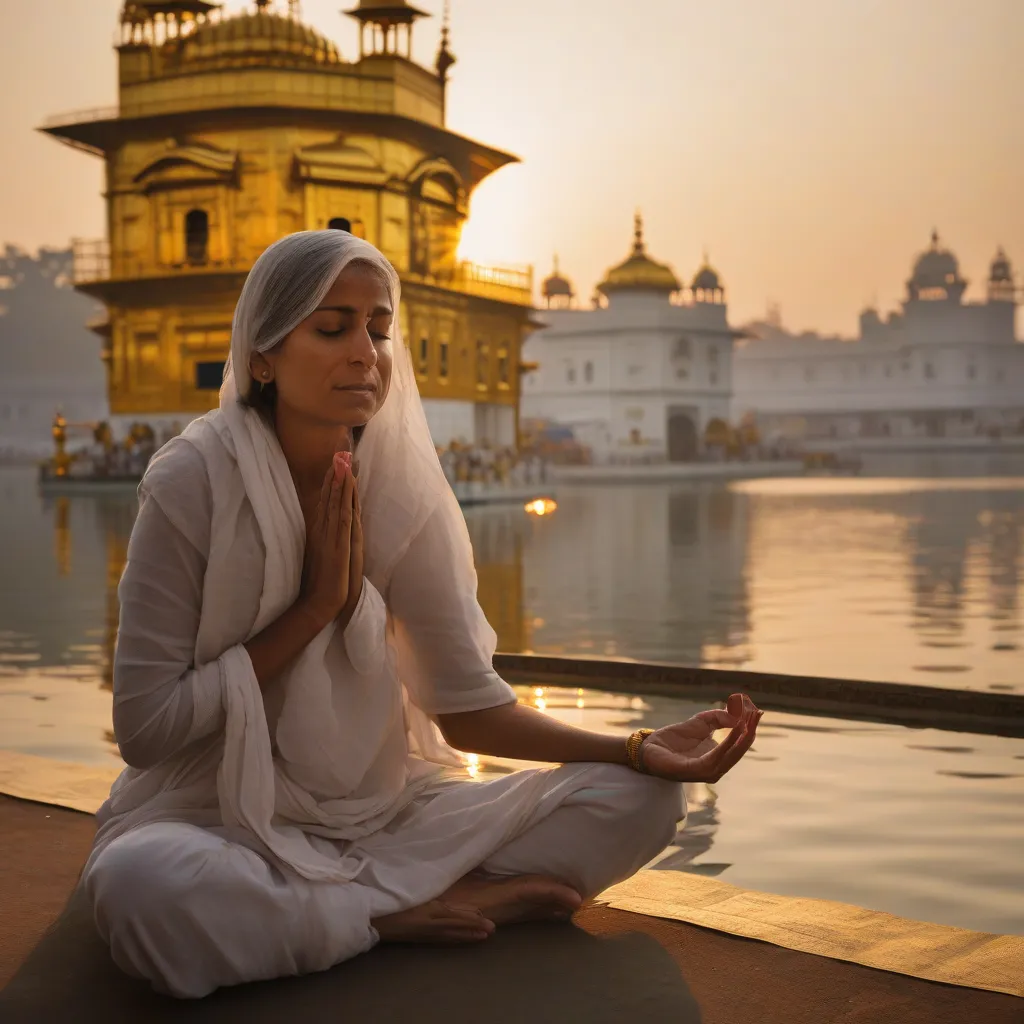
{"x":445,"y":57}
{"x":638,"y":233}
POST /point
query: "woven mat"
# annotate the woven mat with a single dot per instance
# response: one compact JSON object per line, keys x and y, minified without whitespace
{"x":61,"y":783}
{"x":935,"y":952}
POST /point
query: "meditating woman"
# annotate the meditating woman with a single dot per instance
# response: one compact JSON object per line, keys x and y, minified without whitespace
{"x":301,"y":648}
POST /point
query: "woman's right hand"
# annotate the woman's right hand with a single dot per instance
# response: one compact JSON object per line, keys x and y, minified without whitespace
{"x":326,"y":576}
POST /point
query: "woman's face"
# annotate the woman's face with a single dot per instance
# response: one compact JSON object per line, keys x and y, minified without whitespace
{"x":335,"y":367}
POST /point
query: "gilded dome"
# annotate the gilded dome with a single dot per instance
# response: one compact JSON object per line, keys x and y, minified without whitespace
{"x":255,"y":37}
{"x":639,"y":272}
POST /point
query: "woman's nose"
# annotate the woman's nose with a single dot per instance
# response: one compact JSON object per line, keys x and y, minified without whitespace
{"x":363,"y":350}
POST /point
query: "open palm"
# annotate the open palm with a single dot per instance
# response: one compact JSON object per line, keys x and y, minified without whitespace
{"x":687,"y":751}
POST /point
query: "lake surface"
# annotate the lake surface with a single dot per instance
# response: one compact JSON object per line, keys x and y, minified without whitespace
{"x":907,"y":577}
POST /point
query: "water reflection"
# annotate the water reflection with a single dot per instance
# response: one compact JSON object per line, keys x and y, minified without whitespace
{"x":498,"y":536}
{"x":62,"y":559}
{"x":906,"y":580}
{"x":894,"y":579}
{"x":650,"y":573}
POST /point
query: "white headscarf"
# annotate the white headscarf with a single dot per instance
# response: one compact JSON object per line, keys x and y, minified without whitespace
{"x":401,"y":481}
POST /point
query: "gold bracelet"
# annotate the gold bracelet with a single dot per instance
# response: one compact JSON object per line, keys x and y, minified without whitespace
{"x":633,"y":745}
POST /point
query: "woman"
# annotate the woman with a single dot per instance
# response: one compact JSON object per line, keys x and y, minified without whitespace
{"x":292,"y":649}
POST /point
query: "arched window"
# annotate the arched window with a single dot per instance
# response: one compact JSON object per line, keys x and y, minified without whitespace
{"x":423,"y":357}
{"x":197,"y":237}
{"x":442,"y":360}
{"x":588,"y":372}
{"x":340,"y":224}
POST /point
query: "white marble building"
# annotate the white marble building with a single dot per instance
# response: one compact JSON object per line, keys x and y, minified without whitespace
{"x":938,"y":368}
{"x":643,"y":376}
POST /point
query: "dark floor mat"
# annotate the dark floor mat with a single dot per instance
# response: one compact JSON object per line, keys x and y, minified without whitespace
{"x":529,"y":974}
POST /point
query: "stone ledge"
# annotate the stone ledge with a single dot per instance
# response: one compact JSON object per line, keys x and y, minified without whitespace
{"x":994,"y":714}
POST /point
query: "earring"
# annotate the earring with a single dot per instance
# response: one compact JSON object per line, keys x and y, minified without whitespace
{"x":266,"y":375}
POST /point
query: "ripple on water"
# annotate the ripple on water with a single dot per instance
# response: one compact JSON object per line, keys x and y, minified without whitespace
{"x":940,"y":749}
{"x":981,"y":775}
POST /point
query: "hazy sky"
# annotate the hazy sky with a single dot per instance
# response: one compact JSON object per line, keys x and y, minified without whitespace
{"x":811,"y":145}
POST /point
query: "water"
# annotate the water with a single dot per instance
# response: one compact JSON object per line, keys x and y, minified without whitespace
{"x":910,"y":580}
{"x":904,"y":578}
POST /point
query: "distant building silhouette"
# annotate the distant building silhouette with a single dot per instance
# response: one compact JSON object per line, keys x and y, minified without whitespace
{"x":939,"y":368}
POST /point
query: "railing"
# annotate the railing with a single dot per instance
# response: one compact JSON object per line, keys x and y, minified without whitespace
{"x":91,"y":260}
{"x":505,"y":284}
{"x":93,"y":263}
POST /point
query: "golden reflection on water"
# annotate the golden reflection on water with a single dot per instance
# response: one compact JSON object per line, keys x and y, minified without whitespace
{"x":62,"y":536}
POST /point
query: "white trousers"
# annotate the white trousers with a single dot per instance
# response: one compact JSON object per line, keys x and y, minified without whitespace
{"x":191,"y":910}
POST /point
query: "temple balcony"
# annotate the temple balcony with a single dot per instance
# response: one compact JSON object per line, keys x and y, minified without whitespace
{"x":95,"y":269}
{"x":501,"y":284}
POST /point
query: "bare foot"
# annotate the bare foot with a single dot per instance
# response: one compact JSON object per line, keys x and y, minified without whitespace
{"x":439,"y":922}
{"x":509,"y":900}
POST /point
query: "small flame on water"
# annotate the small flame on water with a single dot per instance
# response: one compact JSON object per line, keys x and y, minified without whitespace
{"x":541,"y":507}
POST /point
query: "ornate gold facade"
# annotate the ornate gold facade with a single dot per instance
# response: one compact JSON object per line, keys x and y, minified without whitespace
{"x":233,"y":130}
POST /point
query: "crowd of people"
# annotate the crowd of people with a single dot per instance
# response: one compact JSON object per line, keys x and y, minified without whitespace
{"x":490,"y":465}
{"x":485,"y":464}
{"x":104,"y":457}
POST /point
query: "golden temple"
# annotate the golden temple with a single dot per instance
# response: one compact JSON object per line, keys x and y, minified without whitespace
{"x":235,"y":128}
